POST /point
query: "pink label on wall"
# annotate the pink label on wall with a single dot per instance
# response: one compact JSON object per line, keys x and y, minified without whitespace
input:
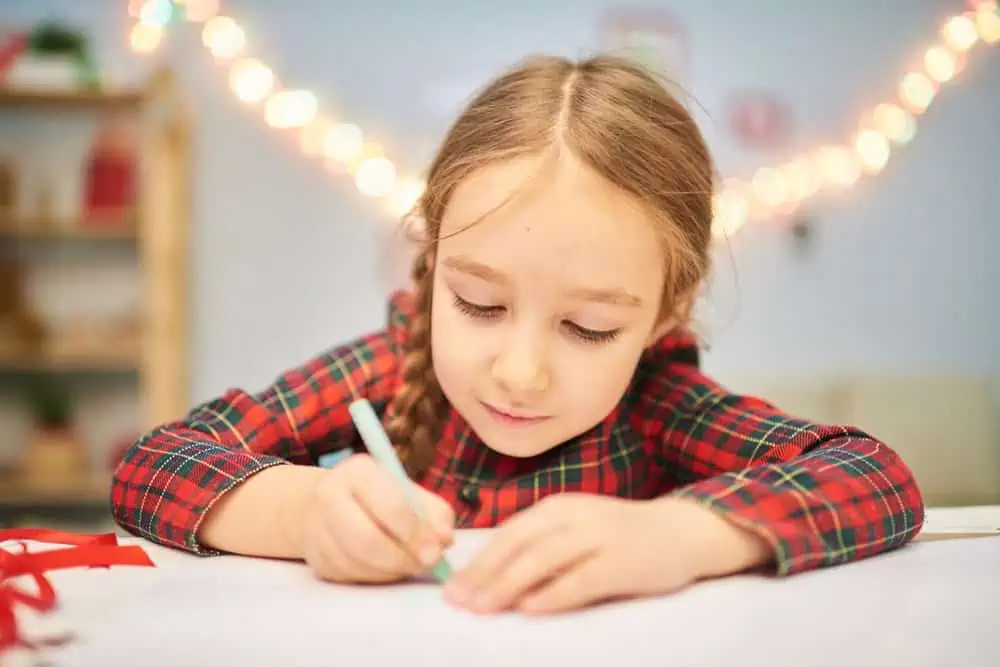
{"x":759,"y":119}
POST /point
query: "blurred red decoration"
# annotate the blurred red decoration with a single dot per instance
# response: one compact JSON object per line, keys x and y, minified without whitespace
{"x":80,"y":550}
{"x":111,"y":174}
{"x":12,"y":45}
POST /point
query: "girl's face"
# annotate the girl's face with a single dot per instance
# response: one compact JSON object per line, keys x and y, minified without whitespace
{"x":542,"y":309}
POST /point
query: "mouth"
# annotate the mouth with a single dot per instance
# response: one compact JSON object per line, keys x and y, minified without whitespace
{"x":509,"y":418}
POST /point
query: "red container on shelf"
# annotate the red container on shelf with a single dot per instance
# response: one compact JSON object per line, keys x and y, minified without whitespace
{"x":110,"y":176}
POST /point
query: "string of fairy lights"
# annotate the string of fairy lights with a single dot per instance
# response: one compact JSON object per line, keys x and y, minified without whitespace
{"x":770,"y":192}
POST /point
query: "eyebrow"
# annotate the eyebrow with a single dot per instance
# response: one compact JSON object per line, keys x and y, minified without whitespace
{"x":616,"y":297}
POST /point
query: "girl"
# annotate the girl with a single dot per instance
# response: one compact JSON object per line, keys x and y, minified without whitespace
{"x":543,"y":364}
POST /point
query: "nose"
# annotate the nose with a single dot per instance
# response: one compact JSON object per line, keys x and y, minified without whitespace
{"x":520,"y":371}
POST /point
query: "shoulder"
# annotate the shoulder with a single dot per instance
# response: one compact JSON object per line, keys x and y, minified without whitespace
{"x":370,"y":362}
{"x":401,"y":309}
{"x":669,"y":381}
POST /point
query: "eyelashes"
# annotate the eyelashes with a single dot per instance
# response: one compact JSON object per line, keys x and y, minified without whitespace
{"x":476,"y":310}
{"x":592,"y":335}
{"x":583,"y":334}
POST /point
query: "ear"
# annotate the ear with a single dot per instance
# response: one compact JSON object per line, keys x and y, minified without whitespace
{"x":664,"y":327}
{"x":670,"y":322}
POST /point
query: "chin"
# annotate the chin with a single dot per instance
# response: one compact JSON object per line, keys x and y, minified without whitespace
{"x":518,"y":450}
{"x":517,"y":443}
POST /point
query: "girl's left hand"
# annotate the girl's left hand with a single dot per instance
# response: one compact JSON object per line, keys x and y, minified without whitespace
{"x":572,"y":550}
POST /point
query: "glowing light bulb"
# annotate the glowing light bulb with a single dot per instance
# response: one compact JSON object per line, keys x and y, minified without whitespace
{"x":873,"y":150}
{"x":313,"y":135}
{"x":199,"y":11}
{"x":223,"y":37}
{"x":343,"y":142}
{"x":145,"y":37}
{"x":801,"y":179}
{"x":156,"y":12}
{"x":290,"y":108}
{"x":730,"y":211}
{"x":941,"y":63}
{"x":404,"y":196}
{"x":988,"y":22}
{"x":917,"y":91}
{"x":839,"y":166}
{"x":251,"y":80}
{"x":894,"y":122}
{"x":960,"y":33}
{"x":375,"y":177}
{"x":769,"y":186}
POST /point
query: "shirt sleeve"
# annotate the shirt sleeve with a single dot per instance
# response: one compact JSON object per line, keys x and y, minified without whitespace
{"x":169,"y":479}
{"x":819,"y":494}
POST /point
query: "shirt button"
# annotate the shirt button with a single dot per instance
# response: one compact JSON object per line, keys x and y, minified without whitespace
{"x":469,"y":494}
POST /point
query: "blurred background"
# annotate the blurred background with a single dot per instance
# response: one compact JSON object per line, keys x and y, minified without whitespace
{"x":198,"y":195}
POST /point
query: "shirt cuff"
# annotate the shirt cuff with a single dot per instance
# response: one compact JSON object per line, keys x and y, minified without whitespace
{"x":182,"y":487}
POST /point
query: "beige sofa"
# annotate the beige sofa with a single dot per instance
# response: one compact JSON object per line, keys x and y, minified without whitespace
{"x":946,"y":428}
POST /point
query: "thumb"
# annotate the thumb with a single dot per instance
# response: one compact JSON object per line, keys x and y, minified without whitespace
{"x":439,"y":514}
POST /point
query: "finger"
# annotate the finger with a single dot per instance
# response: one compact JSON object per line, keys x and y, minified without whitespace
{"x":319,"y":560}
{"x":364,"y":540}
{"x":329,"y":562}
{"x":510,"y":539}
{"x":439,"y":515}
{"x":540,"y":562}
{"x":382,"y":498}
{"x":589,"y":581}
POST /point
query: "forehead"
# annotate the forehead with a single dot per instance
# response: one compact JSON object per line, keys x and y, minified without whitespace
{"x":556,"y":221}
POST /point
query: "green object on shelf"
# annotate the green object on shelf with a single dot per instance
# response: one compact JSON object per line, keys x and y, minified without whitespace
{"x":51,"y":404}
{"x":54,"y":39}
{"x":51,"y":37}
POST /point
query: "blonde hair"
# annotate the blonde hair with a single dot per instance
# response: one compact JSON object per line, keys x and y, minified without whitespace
{"x":613,"y":116}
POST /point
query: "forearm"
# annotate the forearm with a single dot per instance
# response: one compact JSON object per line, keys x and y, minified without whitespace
{"x":720,"y":547}
{"x":262,"y":516}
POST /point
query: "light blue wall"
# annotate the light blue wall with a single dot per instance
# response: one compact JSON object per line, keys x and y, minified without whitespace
{"x":901,"y":278}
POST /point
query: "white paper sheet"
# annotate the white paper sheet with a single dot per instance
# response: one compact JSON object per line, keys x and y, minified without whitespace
{"x":929,"y":604}
{"x":962,"y":520}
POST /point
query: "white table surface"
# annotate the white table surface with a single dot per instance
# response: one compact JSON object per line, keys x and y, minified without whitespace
{"x":933,"y":603}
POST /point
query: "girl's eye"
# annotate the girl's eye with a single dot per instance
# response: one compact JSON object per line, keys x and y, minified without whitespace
{"x":583,"y":334}
{"x":591,"y":335}
{"x":476,"y":310}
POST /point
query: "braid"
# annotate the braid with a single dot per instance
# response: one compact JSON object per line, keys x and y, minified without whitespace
{"x":418,"y":409}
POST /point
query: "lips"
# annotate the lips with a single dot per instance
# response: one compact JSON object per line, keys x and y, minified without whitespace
{"x":513,"y":418}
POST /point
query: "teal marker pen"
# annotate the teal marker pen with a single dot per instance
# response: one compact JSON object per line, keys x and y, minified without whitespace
{"x":381,"y":449}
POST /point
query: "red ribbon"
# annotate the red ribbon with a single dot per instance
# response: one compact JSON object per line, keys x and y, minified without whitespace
{"x":85,"y":550}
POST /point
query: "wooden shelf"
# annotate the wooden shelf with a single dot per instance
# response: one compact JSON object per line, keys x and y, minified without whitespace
{"x":17,"y":229}
{"x":157,"y":233}
{"x":90,"y":490}
{"x":70,"y":99}
{"x":68,"y":364}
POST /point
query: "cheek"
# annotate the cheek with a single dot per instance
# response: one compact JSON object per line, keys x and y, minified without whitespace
{"x":452,"y":345}
{"x":596,"y":380}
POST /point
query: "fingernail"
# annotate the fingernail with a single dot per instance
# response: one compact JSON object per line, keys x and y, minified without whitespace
{"x":483,"y":602}
{"x":456,"y":593}
{"x":428,"y":555}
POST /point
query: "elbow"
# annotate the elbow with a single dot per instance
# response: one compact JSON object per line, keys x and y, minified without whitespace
{"x":902,"y":493}
{"x":910,"y":491}
{"x":124,"y":482}
{"x":883,"y":482}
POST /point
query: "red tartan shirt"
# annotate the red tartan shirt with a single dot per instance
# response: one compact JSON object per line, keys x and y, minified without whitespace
{"x":819,"y":494}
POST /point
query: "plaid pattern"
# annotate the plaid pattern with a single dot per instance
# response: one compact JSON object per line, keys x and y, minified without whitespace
{"x":819,"y":494}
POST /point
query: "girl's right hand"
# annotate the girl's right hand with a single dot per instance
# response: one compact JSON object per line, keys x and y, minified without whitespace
{"x":359,"y":528}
